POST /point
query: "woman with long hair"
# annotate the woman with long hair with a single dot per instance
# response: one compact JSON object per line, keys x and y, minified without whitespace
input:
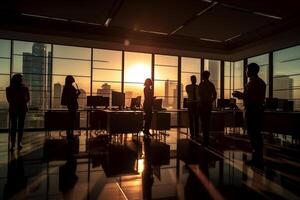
{"x":148,"y":104}
{"x":69,"y":98}
{"x":17,"y":95}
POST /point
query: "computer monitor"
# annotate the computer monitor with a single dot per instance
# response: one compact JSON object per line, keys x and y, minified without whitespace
{"x":157,"y":104}
{"x":95,"y":101}
{"x":118,"y":99}
{"x":272,"y":103}
{"x":283,"y":105}
{"x":224,"y":103}
{"x":135,"y":102}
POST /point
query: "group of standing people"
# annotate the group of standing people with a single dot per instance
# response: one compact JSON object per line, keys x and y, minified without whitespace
{"x":17,"y":95}
{"x":200,"y":100}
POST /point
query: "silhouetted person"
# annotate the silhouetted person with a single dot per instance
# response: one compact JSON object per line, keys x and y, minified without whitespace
{"x":15,"y":187}
{"x":193,"y":107}
{"x":69,"y":98}
{"x":208,"y":95}
{"x":254,"y":98}
{"x":148,"y":105}
{"x":17,"y":95}
{"x":147,"y":175}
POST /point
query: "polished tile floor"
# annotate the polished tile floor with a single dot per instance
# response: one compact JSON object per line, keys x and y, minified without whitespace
{"x":171,"y":167}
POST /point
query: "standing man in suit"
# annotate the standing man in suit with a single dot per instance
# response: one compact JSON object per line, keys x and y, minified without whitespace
{"x":254,"y":97}
{"x":192,"y":91}
{"x":208,"y":95}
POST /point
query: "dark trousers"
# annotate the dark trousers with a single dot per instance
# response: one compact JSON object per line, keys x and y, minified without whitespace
{"x":205,"y":115}
{"x":71,"y":123}
{"x":254,"y":123}
{"x":193,"y":109}
{"x":17,"y":120}
{"x":148,"y":119}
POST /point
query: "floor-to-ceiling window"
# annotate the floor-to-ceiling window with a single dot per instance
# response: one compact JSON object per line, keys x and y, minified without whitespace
{"x":233,"y":80}
{"x":286,"y":78}
{"x":214,"y":67}
{"x":263,"y":62}
{"x":166,"y":82}
{"x":137,"y":67}
{"x":33,"y":60}
{"x":75,"y":61}
{"x":189,"y":67}
{"x":5,"y":60}
{"x":107,"y":72}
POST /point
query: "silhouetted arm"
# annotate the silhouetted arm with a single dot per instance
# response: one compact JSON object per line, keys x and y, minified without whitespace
{"x":27,"y":97}
{"x":238,"y":94}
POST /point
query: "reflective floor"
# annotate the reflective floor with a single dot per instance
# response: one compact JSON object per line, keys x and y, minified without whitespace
{"x":165,"y":167}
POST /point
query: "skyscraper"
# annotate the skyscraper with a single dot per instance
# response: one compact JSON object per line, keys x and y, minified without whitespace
{"x":34,"y":70}
{"x":171,"y":89}
{"x":283,"y":87}
{"x":82,"y":99}
{"x":57,"y":95}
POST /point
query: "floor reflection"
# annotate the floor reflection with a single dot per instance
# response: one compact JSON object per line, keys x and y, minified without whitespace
{"x":146,"y":168}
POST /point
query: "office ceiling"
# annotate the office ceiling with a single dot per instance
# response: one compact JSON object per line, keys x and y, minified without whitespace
{"x":221,"y":24}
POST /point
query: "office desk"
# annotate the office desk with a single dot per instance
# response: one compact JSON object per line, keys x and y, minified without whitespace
{"x":282,"y":122}
{"x":59,"y":120}
{"x":161,"y":121}
{"x":122,"y":121}
{"x":217,"y":120}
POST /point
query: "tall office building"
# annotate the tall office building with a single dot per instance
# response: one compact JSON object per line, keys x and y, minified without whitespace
{"x":57,"y":95}
{"x":170,"y":94}
{"x":82,"y":99}
{"x":34,"y":70}
{"x":283,"y":87}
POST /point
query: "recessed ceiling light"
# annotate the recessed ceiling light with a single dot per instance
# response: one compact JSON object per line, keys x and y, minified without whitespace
{"x":233,"y":37}
{"x":44,"y":17}
{"x":107,"y":22}
{"x":154,"y":32}
{"x":210,"y":40}
{"x":267,"y":15}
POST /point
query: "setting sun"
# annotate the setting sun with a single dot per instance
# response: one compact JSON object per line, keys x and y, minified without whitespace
{"x":138,"y":72}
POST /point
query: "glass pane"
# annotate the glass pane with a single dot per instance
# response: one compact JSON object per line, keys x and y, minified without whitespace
{"x":105,"y":88}
{"x":71,"y":67}
{"x":5,"y":48}
{"x":137,"y":67}
{"x":4,"y":66}
{"x":166,"y":60}
{"x":168,"y":91}
{"x":134,"y":90}
{"x":107,"y":75}
{"x":165,"y":73}
{"x":213,"y":66}
{"x":61,"y":51}
{"x":109,"y":59}
{"x":3,"y":100}
{"x":190,"y":65}
{"x":31,"y":48}
{"x":31,"y":64}
{"x":4,"y":82}
{"x":4,"y":117}
{"x":58,"y":83}
{"x":263,"y":62}
{"x":286,"y":80}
